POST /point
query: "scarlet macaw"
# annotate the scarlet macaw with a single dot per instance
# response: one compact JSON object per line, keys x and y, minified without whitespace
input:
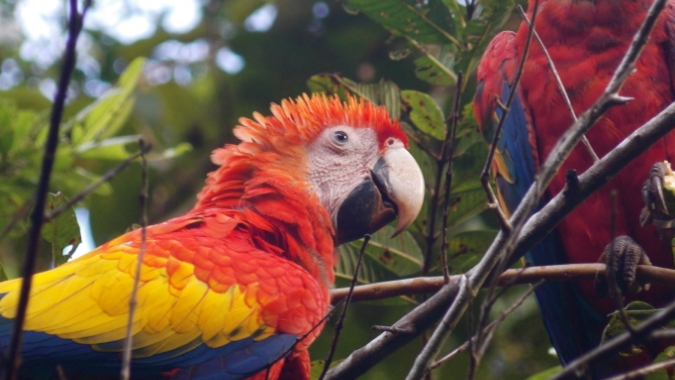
{"x":586,"y":40}
{"x":231,"y":286}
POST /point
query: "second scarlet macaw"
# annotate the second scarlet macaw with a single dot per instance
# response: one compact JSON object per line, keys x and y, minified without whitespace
{"x":586,"y":41}
{"x":239,"y":285}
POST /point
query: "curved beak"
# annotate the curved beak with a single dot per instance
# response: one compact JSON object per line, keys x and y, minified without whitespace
{"x":394,"y":189}
{"x":404,"y":185}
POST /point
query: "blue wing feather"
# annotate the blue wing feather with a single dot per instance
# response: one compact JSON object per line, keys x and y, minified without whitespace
{"x":567,"y":317}
{"x":42,"y":352}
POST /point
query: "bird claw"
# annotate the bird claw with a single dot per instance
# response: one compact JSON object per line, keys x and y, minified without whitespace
{"x":652,"y":191}
{"x":622,"y":257}
{"x":656,"y":211}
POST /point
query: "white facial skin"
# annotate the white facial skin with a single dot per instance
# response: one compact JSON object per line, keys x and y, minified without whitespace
{"x":340,"y":158}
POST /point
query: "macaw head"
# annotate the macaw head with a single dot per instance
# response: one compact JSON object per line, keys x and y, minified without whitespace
{"x":349,"y":157}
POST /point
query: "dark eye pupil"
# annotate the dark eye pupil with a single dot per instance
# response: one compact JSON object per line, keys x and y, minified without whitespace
{"x":341,"y":136}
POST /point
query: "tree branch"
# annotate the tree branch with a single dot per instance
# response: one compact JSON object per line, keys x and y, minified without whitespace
{"x":343,"y":314}
{"x":74,"y":28}
{"x":125,"y":372}
{"x":531,"y":275}
{"x":578,"y":367}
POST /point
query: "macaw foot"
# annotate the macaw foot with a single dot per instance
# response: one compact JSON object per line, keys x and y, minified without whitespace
{"x":656,"y":209}
{"x":622,"y":256}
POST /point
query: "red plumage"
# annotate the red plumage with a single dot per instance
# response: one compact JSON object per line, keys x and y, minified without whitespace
{"x":586,"y":41}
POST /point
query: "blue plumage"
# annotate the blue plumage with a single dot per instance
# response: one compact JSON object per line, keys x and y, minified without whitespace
{"x":41,"y":353}
{"x":566,"y":315}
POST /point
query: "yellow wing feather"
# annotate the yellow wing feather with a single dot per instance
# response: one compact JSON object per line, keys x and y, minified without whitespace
{"x":87,"y":300}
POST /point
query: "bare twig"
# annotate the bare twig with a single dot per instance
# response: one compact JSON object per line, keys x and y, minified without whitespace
{"x":422,"y":362}
{"x":74,"y":28}
{"x":487,"y":330}
{"x":125,"y":372}
{"x":110,"y":174}
{"x":561,"y":86}
{"x":448,"y":153}
{"x":484,"y":336}
{"x":305,"y":335}
{"x":646,"y":370}
{"x":340,"y":322}
{"x":567,"y":272}
{"x":641,"y":332}
{"x":394,"y":330}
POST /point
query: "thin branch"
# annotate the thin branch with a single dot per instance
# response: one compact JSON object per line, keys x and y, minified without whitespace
{"x":561,"y":87}
{"x":340,"y":322}
{"x":125,"y":373}
{"x":448,"y":153}
{"x":74,"y":28}
{"x":110,"y":174}
{"x":642,"y":331}
{"x":394,"y":330}
{"x":530,"y":275}
{"x":646,"y":370}
{"x":487,"y":330}
{"x":305,"y":335}
{"x":423,"y":361}
{"x":485,"y":334}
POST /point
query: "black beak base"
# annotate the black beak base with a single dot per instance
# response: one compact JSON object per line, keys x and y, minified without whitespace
{"x":364,"y":211}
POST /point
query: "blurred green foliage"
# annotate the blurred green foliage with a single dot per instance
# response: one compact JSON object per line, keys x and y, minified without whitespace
{"x":405,"y":54}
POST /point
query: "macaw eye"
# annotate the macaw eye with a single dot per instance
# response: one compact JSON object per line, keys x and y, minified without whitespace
{"x":340,"y":137}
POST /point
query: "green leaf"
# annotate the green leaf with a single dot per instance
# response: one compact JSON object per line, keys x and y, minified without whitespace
{"x":466,"y":204}
{"x":635,"y":312}
{"x":667,"y":354}
{"x":426,"y":163}
{"x":328,"y":84}
{"x":3,"y":275}
{"x":174,"y":152}
{"x":425,"y":113}
{"x":385,"y":93}
{"x":467,"y":133}
{"x":466,"y":249}
{"x":436,"y":65}
{"x":466,"y":168}
{"x":107,"y":115}
{"x":546,"y":374}
{"x":6,"y":128}
{"x":108,"y":149}
{"x":385,"y":258}
{"x":429,"y":23}
{"x":61,"y":231}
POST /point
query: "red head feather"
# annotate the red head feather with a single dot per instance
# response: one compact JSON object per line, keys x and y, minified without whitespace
{"x":265,"y":180}
{"x":301,"y":120}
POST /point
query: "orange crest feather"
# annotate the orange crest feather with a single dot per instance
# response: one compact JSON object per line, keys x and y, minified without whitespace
{"x":301,"y":120}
